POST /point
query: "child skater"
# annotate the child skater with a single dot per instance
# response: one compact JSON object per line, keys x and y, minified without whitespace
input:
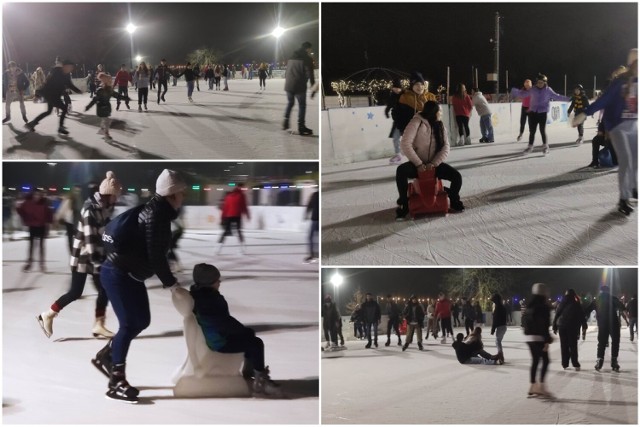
{"x":103,"y":103}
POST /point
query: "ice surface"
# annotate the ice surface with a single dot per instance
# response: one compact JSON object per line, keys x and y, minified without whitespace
{"x":389,"y":386}
{"x":520,"y":210}
{"x":244,"y":123}
{"x":51,"y":381}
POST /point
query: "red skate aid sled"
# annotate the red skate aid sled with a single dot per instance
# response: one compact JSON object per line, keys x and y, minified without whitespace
{"x":426,"y":195}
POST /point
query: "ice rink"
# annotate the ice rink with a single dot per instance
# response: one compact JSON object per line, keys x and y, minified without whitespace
{"x":520,"y":210}
{"x":388,"y":386}
{"x":51,"y":381}
{"x":243,"y":123}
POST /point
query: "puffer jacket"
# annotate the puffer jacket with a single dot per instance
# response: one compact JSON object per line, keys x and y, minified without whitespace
{"x":57,"y":82}
{"x":540,"y":99}
{"x":212,"y":313}
{"x":409,"y":104}
{"x":147,"y":255}
{"x":419,"y":144}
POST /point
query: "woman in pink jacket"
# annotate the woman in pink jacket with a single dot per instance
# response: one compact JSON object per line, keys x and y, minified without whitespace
{"x":425,"y":142}
{"x":462,"y":106}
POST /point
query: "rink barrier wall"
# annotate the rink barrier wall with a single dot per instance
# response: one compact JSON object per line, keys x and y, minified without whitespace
{"x":274,"y":218}
{"x":352,"y":135}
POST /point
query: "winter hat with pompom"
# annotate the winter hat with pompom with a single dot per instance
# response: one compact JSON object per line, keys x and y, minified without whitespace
{"x":169,"y":182}
{"x":539,"y":289}
{"x":110,"y":185}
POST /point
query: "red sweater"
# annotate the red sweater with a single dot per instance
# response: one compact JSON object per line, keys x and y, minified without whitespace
{"x":235,"y":205}
{"x":443,"y":308}
{"x":462,"y":107}
{"x":35,"y":214}
{"x":122,"y":78}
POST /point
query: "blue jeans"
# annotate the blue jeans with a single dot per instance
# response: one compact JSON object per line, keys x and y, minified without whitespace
{"x":396,"y":141}
{"x":624,"y":139}
{"x":190,"y":88}
{"x":500,"y":331}
{"x":302,"y":105}
{"x":130,"y":302}
{"x":313,"y":230}
{"x":486,"y":128}
{"x":633,"y":323}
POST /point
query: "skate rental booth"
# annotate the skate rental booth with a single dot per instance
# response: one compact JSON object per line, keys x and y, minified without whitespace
{"x":351,"y":135}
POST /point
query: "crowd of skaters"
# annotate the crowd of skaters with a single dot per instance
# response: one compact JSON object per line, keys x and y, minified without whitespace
{"x":540,"y":317}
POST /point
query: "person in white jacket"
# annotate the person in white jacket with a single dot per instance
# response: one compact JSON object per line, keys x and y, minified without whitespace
{"x":425,"y":142}
{"x":482,"y":107}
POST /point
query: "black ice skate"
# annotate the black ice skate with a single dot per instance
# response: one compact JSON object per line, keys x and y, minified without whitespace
{"x":614,"y":364}
{"x":624,"y":207}
{"x":599,"y":364}
{"x":102,"y":361}
{"x":122,"y":391}
{"x":388,"y":343}
{"x":303,"y":130}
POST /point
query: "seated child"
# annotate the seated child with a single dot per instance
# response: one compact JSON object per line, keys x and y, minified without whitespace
{"x":223,"y":333}
{"x":471,"y":351}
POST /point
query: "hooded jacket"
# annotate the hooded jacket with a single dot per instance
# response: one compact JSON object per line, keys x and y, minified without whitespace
{"x":408,"y":105}
{"x":235,"y":204}
{"x":299,"y":70}
{"x":147,"y":254}
{"x":57,"y":82}
{"x":481,"y":104}
{"x":537,"y":320}
{"x":443,"y":308}
{"x":569,"y":314}
{"x":616,"y":107}
{"x":419,"y":144}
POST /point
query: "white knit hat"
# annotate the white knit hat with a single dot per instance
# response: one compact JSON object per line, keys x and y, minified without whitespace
{"x":110,"y":185}
{"x":539,"y":289}
{"x":632,"y":56}
{"x":169,"y":182}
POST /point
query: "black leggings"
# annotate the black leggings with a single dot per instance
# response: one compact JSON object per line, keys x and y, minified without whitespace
{"x":249,"y":344}
{"x":536,"y":119}
{"x":161,"y":83}
{"x":263,"y":82}
{"x":604,"y":331}
{"x":446,"y":326}
{"x":71,"y":232}
{"x":123,"y":91}
{"x":463,"y":125}
{"x":537,"y":353}
{"x":227,"y":228}
{"x":524,"y":112}
{"x":78,"y":281}
{"x":143,"y":94}
{"x":393,"y":324}
{"x":468,"y":325}
{"x":408,"y":170}
{"x":51,"y":104}
{"x":36,"y":233}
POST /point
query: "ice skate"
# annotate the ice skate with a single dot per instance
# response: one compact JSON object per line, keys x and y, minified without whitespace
{"x":145,"y":107}
{"x":107,"y":136}
{"x":304,"y":131}
{"x":46,"y":321}
{"x":327,"y":345}
{"x":543,"y":392}
{"x":519,"y":138}
{"x":527,"y":150}
{"x":624,"y":207}
{"x":24,"y":117}
{"x":140,"y":108}
{"x":420,"y":346}
{"x":579,"y":141}
{"x":388,"y":343}
{"x":399,"y":341}
{"x":375,"y":343}
{"x":263,"y":386}
{"x":31,"y":126}
{"x":405,"y":346}
{"x":395,"y":160}
{"x":533,"y":390}
{"x":99,"y":330}
{"x":614,"y":364}
{"x":190,"y":99}
{"x":467,"y":140}
{"x":122,"y":391}
{"x":401,"y":212}
{"x":368,"y":345}
{"x":63,"y":131}
{"x":545,"y":149}
{"x":27,"y":267}
{"x":247,"y":369}
{"x":599,"y":364}
{"x":102,"y":361}
{"x":6,"y":119}
{"x":443,"y":340}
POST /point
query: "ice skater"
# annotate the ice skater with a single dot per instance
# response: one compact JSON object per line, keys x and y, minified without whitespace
{"x":313,"y":213}
{"x":330,"y":322}
{"x":499,"y":323}
{"x":632,"y":314}
{"x":102,"y":101}
{"x":471,"y":351}
{"x":568,"y":320}
{"x":37,"y":215}
{"x":14,"y":85}
{"x":425,"y":142}
{"x":462,"y":107}
{"x":121,"y":81}
{"x":136,"y":244}
{"x":58,"y":81}
{"x":443,"y":314}
{"x":620,"y":104}
{"x":540,"y":101}
{"x":161,"y":74}
{"x":87,"y":256}
{"x":484,"y":111}
{"x":142,"y":78}
{"x":262,"y":76}
{"x":536,"y":321}
{"x":225,"y":334}
{"x":468,"y":315}
{"x":190,"y":78}
{"x":524,"y":110}
{"x":234,"y":207}
{"x":68,"y":214}
{"x":395,"y":134}
{"x":371,"y":315}
{"x":608,"y":309}
{"x":414,"y":315}
{"x":299,"y":71}
{"x":393,"y":320}
{"x":579,"y":103}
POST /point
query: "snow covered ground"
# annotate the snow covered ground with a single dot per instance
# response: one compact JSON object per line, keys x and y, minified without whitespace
{"x":388,"y":386}
{"x":243,"y":123}
{"x":51,"y":381}
{"x":520,"y":210}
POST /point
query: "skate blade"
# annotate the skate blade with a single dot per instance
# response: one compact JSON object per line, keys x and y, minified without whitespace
{"x":41,"y":322}
{"x":100,"y":368}
{"x":102,"y":336}
{"x":111,"y":396}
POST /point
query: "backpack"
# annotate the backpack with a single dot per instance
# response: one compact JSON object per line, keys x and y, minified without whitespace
{"x":121,"y":230}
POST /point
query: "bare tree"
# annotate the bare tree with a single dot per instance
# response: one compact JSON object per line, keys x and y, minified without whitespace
{"x":204,"y":56}
{"x":478,"y":283}
{"x":357,"y":298}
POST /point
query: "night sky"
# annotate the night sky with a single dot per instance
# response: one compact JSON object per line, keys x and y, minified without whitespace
{"x":580,"y":40}
{"x":95,"y":33}
{"x":425,"y":282}
{"x":143,"y":174}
